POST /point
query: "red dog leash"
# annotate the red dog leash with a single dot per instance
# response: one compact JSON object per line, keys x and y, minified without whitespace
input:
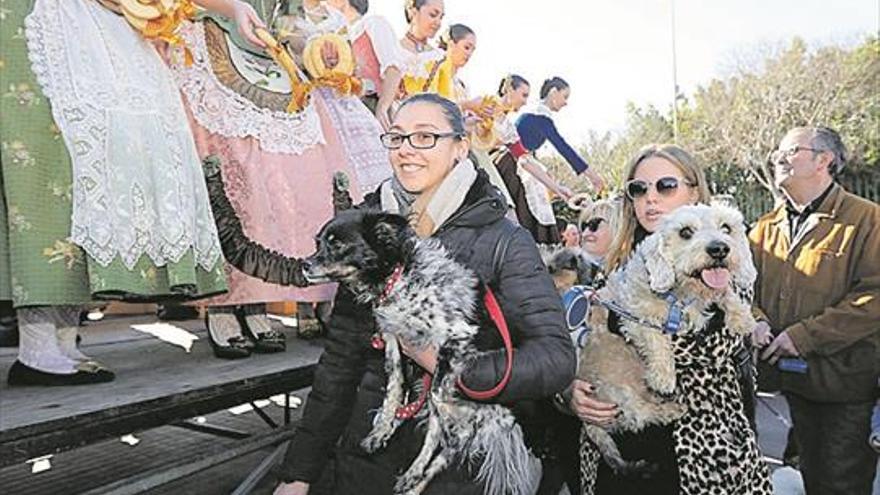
{"x":498,"y":318}
{"x":409,"y":410}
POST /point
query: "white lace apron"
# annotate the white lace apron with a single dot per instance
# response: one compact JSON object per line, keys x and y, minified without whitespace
{"x":138,"y":186}
{"x":359,"y":132}
{"x":537,"y":194}
{"x":227,"y":113}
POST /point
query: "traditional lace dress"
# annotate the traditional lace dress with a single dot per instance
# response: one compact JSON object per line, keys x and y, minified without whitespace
{"x":104,"y":190}
{"x":277,"y":168}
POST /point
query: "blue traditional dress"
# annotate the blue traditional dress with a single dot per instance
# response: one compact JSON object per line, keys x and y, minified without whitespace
{"x":531,"y":198}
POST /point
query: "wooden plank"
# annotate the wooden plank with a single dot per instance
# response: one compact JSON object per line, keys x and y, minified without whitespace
{"x":156,"y":384}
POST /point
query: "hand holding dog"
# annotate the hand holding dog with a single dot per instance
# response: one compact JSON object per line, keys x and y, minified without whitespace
{"x":589,"y":409}
{"x":762,"y":334}
{"x":781,"y":346}
{"x":426,"y":358}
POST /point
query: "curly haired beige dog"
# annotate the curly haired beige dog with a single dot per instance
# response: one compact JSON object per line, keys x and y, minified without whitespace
{"x":696,"y":267}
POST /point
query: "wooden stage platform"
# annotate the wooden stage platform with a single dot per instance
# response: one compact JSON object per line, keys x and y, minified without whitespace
{"x":156,"y":384}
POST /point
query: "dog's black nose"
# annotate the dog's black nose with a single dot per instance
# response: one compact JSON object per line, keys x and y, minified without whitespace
{"x":718,"y":250}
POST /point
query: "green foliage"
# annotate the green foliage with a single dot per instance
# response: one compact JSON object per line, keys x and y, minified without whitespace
{"x":610,"y":153}
{"x":732,"y":124}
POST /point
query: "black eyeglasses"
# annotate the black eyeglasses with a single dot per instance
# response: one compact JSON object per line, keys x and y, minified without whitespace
{"x":777,"y":156}
{"x":665,"y":186}
{"x":420,"y":140}
{"x":593,"y":224}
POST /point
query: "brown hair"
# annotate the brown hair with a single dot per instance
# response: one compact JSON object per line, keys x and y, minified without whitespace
{"x":624,"y":239}
{"x":412,"y":4}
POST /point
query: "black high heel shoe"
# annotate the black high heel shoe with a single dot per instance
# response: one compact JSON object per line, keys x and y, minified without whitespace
{"x":266,"y":342}
{"x":235,"y":348}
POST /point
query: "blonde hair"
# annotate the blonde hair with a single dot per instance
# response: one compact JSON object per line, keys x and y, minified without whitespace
{"x":607,"y":209}
{"x":624,"y":238}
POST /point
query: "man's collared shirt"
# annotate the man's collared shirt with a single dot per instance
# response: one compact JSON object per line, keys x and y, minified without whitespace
{"x":797,"y":219}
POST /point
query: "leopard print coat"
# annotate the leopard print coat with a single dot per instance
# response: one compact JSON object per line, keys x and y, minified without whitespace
{"x":715,"y":446}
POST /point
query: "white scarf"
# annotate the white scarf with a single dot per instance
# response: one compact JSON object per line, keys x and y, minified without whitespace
{"x":446,"y":200}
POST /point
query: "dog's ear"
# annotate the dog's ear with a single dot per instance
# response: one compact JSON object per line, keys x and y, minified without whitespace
{"x":661,"y":274}
{"x":745,"y":275}
{"x":388,"y":234}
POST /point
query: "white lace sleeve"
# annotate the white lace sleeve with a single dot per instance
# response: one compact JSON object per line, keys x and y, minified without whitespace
{"x":506,"y":130}
{"x":385,"y":42}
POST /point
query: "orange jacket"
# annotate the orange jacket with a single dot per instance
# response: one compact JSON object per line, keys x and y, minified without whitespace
{"x":823,"y":288}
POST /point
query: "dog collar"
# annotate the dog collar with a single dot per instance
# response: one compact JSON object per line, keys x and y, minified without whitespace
{"x":376,"y":341}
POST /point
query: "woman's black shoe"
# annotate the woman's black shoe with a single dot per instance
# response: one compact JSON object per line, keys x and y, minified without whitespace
{"x":265,"y":342}
{"x":235,"y":348}
{"x":21,"y":375}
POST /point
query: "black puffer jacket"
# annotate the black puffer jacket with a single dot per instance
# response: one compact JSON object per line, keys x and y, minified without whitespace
{"x":350,"y":378}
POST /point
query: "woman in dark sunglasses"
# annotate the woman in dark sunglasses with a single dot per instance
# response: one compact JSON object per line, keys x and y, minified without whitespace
{"x":659,"y":179}
{"x":598,"y":226}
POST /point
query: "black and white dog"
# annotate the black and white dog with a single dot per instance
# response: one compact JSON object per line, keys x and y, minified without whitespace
{"x":424,"y":298}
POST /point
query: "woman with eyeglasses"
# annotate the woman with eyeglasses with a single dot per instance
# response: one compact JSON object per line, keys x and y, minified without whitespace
{"x":445,"y":197}
{"x":526,"y":178}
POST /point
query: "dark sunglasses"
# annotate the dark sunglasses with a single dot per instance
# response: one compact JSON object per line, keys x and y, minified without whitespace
{"x":593,"y":224}
{"x":665,"y":186}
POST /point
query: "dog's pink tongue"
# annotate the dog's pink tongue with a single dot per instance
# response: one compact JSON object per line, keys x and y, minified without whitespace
{"x":716,"y":278}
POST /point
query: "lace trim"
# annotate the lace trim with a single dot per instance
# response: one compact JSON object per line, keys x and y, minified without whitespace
{"x":359,"y":132}
{"x":227,"y":113}
{"x":137,"y":188}
{"x":418,"y":65}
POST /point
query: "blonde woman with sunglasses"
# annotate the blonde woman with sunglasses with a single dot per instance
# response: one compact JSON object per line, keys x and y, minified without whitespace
{"x":598,"y":224}
{"x":658,"y":180}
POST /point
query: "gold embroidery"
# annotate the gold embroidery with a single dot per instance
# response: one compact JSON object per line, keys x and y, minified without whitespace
{"x":65,"y":251}
{"x":23,"y":93}
{"x":19,"y":153}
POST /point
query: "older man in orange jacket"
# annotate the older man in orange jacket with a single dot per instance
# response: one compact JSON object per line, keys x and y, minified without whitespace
{"x":818,"y":259}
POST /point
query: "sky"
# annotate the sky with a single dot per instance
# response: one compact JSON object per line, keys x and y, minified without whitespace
{"x":615,"y":51}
